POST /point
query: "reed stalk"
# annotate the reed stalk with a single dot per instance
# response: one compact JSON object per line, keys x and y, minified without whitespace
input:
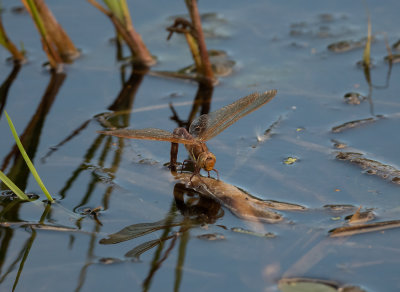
{"x":206,"y":69}
{"x":119,"y":15}
{"x":195,"y":38}
{"x":57,"y":45}
{"x":367,"y":49}
{"x":17,"y":55}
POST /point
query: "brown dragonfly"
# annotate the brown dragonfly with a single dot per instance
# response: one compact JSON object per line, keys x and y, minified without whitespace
{"x":201,"y":130}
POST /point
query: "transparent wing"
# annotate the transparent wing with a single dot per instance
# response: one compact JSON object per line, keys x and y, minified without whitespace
{"x":148,"y":134}
{"x":209,"y":125}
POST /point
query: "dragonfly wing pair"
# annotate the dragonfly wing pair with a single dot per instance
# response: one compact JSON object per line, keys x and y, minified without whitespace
{"x":204,"y":127}
{"x":210,"y":125}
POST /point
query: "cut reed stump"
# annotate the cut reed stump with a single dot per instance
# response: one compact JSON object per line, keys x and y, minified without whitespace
{"x":17,"y":55}
{"x":58,"y":46}
{"x":119,"y":15}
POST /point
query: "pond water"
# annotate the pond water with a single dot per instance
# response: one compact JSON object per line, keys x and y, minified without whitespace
{"x":186,"y":242}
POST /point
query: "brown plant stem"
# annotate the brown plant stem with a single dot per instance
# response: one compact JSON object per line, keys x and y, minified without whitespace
{"x":56,"y":43}
{"x":9,"y":45}
{"x":58,"y":36}
{"x":196,"y":22}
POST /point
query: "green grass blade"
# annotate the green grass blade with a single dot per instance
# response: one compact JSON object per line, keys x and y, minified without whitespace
{"x":37,"y":18}
{"x":27,"y":160}
{"x":116,"y":9}
{"x":13,"y":187}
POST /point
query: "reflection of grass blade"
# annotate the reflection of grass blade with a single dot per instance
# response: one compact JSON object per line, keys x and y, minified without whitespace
{"x":27,"y":160}
{"x":13,"y":187}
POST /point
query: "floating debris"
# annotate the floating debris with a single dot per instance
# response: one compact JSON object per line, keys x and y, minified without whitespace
{"x":41,"y":226}
{"x":221,"y":64}
{"x":354,"y":124}
{"x":86,"y":211}
{"x":338,"y":145}
{"x":308,"y":284}
{"x":393,"y":58}
{"x":268,"y":132}
{"x":360,"y":217}
{"x":9,"y":195}
{"x":363,"y":228}
{"x":276,"y":205}
{"x":340,"y":208}
{"x":353,"y":98}
{"x":396,"y":46}
{"x":215,"y":25}
{"x":211,"y":236}
{"x":373,"y":167}
{"x":347,"y":45}
{"x":250,"y":232}
{"x":290,"y":160}
{"x":323,"y":27}
{"x":109,"y":261}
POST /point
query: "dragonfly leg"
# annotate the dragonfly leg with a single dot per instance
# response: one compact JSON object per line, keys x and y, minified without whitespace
{"x":174,"y":156}
{"x":196,"y":172}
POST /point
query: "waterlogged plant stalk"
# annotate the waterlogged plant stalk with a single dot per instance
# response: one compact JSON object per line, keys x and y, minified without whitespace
{"x":56,"y":43}
{"x":27,"y":160}
{"x":207,"y":71}
{"x":16,"y":190}
{"x":9,"y":45}
{"x":119,"y":15}
{"x":194,"y":49}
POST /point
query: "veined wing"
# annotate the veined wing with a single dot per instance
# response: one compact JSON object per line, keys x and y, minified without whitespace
{"x":148,"y":134}
{"x":210,"y":125}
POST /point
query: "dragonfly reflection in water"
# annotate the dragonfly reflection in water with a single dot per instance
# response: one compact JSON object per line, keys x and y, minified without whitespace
{"x":201,"y":130}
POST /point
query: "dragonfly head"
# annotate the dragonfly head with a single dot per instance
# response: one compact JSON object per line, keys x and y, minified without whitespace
{"x":206,"y":160}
